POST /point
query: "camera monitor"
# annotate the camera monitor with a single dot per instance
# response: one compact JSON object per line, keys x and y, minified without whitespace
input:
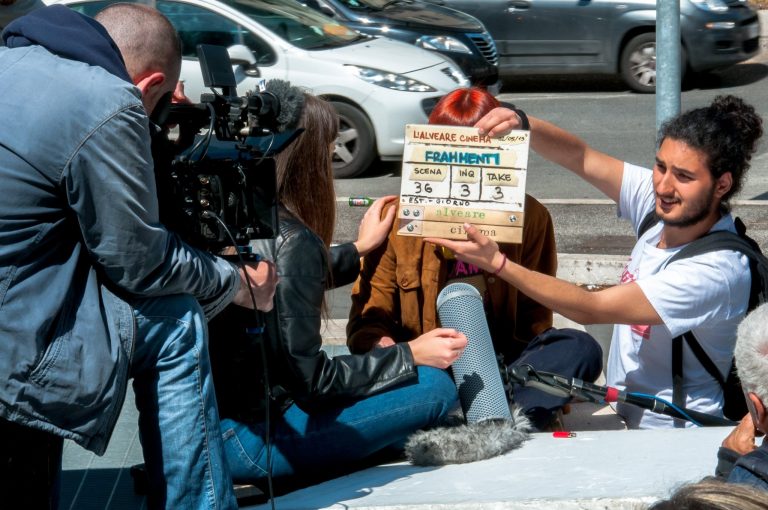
{"x":216,"y":68}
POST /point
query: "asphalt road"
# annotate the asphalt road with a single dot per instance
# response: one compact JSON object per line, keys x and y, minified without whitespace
{"x":611,"y":118}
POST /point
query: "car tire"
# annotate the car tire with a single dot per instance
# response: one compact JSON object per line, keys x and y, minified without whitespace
{"x":354,"y":150}
{"x":638,"y":63}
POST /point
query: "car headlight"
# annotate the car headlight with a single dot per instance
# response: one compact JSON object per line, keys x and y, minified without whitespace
{"x":442,"y":43}
{"x":388,"y":80}
{"x":710,"y":5}
{"x":457,"y":76}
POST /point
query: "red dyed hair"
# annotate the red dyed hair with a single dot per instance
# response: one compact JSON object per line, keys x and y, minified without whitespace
{"x":463,"y":107}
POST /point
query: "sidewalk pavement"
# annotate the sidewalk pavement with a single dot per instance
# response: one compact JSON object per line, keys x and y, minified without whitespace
{"x":617,"y":470}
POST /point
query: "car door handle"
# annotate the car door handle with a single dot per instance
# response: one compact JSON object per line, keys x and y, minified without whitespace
{"x":518,"y":5}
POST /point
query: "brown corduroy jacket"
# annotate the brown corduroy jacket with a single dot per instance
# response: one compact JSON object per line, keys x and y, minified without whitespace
{"x":396,"y":292}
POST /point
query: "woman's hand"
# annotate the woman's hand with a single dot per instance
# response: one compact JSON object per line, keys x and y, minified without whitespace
{"x":438,"y":348}
{"x":262,"y":276}
{"x":477,"y":249}
{"x":373,"y":228}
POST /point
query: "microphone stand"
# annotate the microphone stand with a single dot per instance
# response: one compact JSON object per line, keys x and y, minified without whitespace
{"x":560,"y":386}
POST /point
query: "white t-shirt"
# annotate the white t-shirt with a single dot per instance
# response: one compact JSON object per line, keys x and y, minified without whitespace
{"x":707,"y":294}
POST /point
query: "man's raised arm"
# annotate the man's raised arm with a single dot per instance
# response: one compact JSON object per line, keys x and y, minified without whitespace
{"x":559,"y":146}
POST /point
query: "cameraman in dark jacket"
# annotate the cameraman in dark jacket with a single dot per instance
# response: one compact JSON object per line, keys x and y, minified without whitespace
{"x":327,"y":412}
{"x":93,"y":290}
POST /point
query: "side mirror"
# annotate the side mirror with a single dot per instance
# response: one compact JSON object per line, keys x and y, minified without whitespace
{"x":241,"y":55}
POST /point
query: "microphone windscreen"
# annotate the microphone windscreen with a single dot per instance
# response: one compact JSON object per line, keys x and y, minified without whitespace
{"x":291,"y":99}
{"x":476,"y":372}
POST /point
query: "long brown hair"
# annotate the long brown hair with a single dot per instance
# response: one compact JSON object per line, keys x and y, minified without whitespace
{"x":305,"y":169}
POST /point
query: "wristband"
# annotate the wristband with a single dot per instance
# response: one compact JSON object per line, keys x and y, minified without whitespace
{"x":525,"y":124}
{"x":501,"y":266}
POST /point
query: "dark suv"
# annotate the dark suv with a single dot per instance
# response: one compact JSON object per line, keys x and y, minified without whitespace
{"x":612,"y":36}
{"x":457,"y":35}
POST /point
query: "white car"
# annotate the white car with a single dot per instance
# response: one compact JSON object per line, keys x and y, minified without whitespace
{"x":377,"y":85}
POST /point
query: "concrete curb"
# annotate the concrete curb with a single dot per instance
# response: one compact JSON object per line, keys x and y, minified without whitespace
{"x":590,"y":269}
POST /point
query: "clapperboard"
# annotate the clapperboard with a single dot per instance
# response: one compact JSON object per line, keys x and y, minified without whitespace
{"x":452,"y":175}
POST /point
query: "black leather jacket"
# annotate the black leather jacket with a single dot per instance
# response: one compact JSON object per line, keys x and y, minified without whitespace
{"x":298,"y":371}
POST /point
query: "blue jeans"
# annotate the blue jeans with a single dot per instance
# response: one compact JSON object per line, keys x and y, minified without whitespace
{"x":567,"y":352}
{"x":178,"y":420}
{"x":307,"y":444}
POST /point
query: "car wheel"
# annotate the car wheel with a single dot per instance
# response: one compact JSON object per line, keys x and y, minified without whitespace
{"x":638,"y":63}
{"x":354,"y":151}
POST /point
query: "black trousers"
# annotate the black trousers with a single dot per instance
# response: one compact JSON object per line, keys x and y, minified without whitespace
{"x":566,"y":352}
{"x":30,"y":466}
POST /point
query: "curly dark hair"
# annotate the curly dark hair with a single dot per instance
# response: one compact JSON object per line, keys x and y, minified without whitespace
{"x":726,"y":132}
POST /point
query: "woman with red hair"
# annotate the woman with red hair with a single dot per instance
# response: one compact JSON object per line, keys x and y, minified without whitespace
{"x":462,"y":107}
{"x":394,"y":298}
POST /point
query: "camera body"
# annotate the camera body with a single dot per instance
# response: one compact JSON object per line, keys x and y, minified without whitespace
{"x":217,"y":181}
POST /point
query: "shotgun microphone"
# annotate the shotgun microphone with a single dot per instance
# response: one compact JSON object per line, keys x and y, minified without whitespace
{"x":491,"y":428}
{"x":476,"y":372}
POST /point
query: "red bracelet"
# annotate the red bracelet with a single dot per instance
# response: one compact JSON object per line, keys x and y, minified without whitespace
{"x":501,"y":266}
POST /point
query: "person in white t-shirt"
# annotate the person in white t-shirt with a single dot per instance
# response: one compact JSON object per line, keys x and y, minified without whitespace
{"x":702,"y":157}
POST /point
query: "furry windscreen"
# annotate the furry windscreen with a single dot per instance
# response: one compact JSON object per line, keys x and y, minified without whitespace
{"x":467,"y":443}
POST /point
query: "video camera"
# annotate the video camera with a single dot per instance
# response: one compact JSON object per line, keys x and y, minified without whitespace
{"x":217,"y":181}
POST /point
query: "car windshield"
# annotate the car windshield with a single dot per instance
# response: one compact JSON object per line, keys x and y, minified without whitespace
{"x":297,"y":24}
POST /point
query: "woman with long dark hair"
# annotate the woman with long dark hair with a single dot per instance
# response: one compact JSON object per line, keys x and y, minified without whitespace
{"x":323,"y":412}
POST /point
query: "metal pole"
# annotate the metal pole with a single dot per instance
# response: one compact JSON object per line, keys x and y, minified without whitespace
{"x":668,"y":69}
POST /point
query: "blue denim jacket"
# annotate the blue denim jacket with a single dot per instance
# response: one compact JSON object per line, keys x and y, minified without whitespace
{"x":79,"y":238}
{"x":752,"y":468}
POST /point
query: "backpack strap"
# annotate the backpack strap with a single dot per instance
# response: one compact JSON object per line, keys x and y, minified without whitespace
{"x":677,"y":374}
{"x":650,"y":220}
{"x":717,"y":241}
{"x":713,"y":241}
{"x":725,"y":240}
{"x":703,"y":358}
{"x":678,"y":398}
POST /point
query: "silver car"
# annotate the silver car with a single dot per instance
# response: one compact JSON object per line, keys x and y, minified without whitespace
{"x":612,"y":36}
